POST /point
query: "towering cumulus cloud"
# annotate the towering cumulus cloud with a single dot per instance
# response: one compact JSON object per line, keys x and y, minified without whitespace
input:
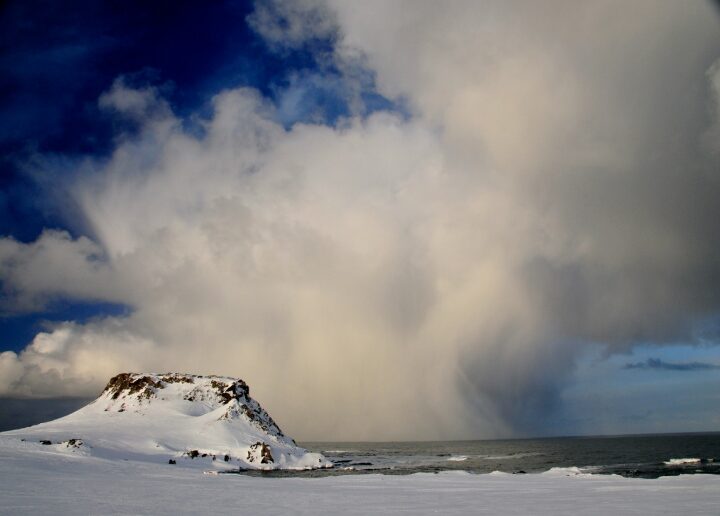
{"x":553,"y":181}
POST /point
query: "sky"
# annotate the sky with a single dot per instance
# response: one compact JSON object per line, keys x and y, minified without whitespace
{"x":395,"y":220}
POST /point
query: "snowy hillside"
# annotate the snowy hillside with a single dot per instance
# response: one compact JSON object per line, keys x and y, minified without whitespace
{"x":202,"y":421}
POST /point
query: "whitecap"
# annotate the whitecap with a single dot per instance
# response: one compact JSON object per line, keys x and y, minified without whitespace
{"x":680,"y":462}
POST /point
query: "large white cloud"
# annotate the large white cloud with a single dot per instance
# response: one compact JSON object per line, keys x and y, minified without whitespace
{"x":394,"y":277}
{"x":73,"y":360}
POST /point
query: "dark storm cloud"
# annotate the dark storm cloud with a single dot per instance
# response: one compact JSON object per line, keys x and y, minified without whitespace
{"x":21,"y":412}
{"x":656,"y":363}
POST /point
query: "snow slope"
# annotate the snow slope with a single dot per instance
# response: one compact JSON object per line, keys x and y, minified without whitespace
{"x":207,"y":422}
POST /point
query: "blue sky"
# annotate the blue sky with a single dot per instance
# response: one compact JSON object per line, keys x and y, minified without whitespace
{"x":58,"y":58}
{"x":501,"y":207}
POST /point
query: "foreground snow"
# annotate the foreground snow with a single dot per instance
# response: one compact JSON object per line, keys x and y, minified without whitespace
{"x":205,"y":422}
{"x":43,"y":480}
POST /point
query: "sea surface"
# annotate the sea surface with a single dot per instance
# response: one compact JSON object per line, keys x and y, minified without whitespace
{"x":646,"y":456}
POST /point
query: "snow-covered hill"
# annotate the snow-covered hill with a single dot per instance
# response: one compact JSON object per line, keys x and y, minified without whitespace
{"x":201,"y":421}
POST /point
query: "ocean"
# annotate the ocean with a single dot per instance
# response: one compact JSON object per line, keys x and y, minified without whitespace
{"x":645,"y":456}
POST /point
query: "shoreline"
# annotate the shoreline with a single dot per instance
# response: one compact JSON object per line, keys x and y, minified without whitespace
{"x":36,"y":482}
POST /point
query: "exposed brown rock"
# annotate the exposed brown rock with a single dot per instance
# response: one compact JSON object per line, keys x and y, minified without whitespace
{"x":264,"y":452}
{"x":266,"y":455}
{"x":177,"y":378}
{"x":124,"y":382}
{"x":236,"y":390}
{"x":267,"y":425}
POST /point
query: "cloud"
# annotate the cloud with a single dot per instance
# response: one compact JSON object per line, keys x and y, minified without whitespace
{"x":134,"y":103}
{"x":391,"y":277}
{"x":656,"y":363}
{"x":33,"y":273}
{"x":291,"y":25}
{"x":712,"y":137}
{"x":73,"y":360}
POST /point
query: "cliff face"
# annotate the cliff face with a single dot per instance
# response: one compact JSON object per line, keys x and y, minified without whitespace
{"x":176,"y":418}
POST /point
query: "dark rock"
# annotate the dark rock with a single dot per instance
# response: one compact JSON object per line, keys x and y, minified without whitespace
{"x":265,"y":454}
{"x":124,"y":383}
{"x":236,"y":390}
{"x":171,"y":461}
{"x":255,"y":417}
{"x":45,"y":442}
{"x":227,"y":458}
{"x":177,"y":378}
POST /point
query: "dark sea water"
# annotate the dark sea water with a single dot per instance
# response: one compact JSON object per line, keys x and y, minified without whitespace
{"x":647,"y":456}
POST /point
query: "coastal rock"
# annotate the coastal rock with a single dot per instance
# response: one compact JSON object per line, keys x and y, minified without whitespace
{"x":260,"y":452}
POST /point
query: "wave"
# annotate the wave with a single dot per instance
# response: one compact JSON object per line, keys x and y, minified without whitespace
{"x":510,"y":456}
{"x":679,"y":462}
{"x":457,"y":458}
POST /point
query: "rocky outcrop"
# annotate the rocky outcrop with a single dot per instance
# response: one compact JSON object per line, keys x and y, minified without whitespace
{"x":130,"y":384}
{"x":260,"y":452}
{"x":234,"y":393}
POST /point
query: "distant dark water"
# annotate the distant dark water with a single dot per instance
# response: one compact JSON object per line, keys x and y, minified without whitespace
{"x":23,"y":412}
{"x":647,"y":456}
